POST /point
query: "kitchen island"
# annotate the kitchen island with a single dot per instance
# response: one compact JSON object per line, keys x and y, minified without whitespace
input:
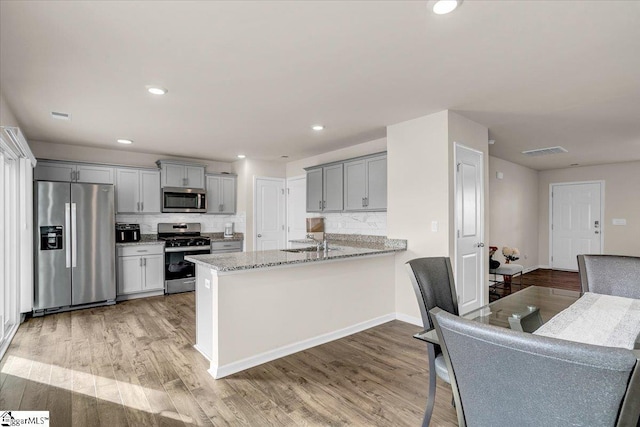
{"x":253,"y":307}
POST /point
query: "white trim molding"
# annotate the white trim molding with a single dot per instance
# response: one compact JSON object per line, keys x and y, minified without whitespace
{"x":231,"y":368}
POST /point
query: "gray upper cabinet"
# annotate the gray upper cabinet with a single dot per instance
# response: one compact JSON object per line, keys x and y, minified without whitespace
{"x":332,"y":188}
{"x":137,"y":191}
{"x":324,"y":189}
{"x":314,"y":190}
{"x":221,"y":194}
{"x":74,"y":172}
{"x":353,"y":185}
{"x":365,"y":184}
{"x":176,"y":174}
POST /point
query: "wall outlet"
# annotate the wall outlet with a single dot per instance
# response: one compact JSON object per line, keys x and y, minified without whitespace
{"x":434,"y":226}
{"x":207,"y":283}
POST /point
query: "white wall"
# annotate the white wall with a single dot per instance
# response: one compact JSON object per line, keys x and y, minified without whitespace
{"x":7,"y":118}
{"x":420,"y":190}
{"x":77,"y":153}
{"x":514,"y":210}
{"x":296,"y":167}
{"x":418,"y":193}
{"x":621,"y":200}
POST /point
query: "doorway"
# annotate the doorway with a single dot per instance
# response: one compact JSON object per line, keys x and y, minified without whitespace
{"x":575,"y":222}
{"x":469,"y":220}
{"x":269,"y":214}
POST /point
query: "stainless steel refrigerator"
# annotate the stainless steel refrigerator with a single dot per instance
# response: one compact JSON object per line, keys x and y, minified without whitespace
{"x":75,"y":246}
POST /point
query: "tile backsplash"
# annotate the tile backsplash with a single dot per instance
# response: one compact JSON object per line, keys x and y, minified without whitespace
{"x":370,"y":223}
{"x":210,"y":223}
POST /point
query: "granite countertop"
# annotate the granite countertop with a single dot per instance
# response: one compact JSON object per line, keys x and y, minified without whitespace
{"x":152,"y":239}
{"x":264,"y":259}
{"x":219,"y":237}
{"x":145,"y":239}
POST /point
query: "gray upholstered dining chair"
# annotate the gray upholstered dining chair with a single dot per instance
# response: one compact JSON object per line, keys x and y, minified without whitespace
{"x":540,"y":381}
{"x":610,"y":274}
{"x":434,"y":285}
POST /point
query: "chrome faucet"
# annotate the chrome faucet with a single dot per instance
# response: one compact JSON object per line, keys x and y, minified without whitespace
{"x":321,"y":245}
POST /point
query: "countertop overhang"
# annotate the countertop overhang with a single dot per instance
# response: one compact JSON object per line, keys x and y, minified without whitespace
{"x":274,"y":258}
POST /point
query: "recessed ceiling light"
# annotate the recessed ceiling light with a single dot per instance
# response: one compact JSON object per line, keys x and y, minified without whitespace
{"x":241,"y":156}
{"x":156,"y":90}
{"x":442,"y":7}
{"x":125,"y":141}
{"x":317,"y":127}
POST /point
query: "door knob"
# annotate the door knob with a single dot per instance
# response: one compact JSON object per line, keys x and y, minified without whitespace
{"x":481,"y":245}
{"x":259,"y":235}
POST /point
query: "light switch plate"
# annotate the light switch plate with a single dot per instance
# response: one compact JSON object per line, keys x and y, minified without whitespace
{"x":499,"y":175}
{"x":619,"y":221}
{"x":434,"y":226}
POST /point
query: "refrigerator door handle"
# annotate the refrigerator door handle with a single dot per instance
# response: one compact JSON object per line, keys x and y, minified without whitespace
{"x":74,"y":236}
{"x":67,"y":234}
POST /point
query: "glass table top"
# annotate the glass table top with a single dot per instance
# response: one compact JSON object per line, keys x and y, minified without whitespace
{"x":549,"y":301}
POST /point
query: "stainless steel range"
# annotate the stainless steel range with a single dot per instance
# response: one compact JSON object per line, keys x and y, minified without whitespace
{"x":181,"y":240}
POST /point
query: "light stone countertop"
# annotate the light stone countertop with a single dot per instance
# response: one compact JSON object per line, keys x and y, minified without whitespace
{"x":264,"y":259}
{"x":152,"y":239}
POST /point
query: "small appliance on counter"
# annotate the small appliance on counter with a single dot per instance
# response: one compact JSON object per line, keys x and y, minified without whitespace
{"x":228,"y":229}
{"x":126,"y":233}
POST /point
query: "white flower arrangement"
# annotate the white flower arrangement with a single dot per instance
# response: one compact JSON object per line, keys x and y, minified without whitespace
{"x":510,"y":254}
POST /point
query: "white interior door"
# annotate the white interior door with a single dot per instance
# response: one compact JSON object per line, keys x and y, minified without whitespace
{"x":576,"y":223}
{"x":469,"y":265}
{"x":270,"y":214}
{"x":296,"y":208}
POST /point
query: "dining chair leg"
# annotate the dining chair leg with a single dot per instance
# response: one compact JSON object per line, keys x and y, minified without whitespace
{"x":432,"y":385}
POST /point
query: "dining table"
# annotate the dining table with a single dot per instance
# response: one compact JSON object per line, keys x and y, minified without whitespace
{"x":559,"y":313}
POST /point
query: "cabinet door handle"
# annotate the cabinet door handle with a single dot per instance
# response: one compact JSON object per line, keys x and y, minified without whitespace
{"x":366,"y":201}
{"x":140,"y":261}
{"x":71,"y":173}
{"x":141,"y":206}
{"x":138,"y":206}
{"x":78,"y":176}
{"x":320,"y":204}
{"x":144,"y":262}
{"x":363,"y":202}
{"x":324,"y":204}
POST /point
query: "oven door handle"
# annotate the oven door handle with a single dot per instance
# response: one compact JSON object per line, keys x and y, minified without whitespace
{"x":188,"y":248}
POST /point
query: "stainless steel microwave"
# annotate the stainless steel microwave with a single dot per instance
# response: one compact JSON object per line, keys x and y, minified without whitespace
{"x":190,"y":200}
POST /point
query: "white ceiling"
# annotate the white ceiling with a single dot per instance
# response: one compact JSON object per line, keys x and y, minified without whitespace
{"x":251,"y":77}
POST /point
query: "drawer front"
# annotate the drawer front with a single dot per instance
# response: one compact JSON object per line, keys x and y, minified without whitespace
{"x":234,"y":246}
{"x":140,"y":250}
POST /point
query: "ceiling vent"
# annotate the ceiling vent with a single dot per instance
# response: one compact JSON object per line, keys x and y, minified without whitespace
{"x":545,"y":151}
{"x":60,"y":116}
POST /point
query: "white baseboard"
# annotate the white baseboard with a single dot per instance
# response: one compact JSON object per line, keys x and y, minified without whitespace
{"x":409,"y":319}
{"x":201,"y":352}
{"x":231,"y":368}
{"x":546,"y":267}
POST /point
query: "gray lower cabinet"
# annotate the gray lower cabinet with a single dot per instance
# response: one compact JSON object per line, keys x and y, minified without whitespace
{"x":140,"y":269}
{"x":365,"y":184}
{"x":73,"y":172}
{"x":221,"y":194}
{"x":324,"y":189}
{"x":137,"y":191}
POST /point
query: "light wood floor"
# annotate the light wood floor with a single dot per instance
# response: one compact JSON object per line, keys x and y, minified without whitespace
{"x":134,"y":364}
